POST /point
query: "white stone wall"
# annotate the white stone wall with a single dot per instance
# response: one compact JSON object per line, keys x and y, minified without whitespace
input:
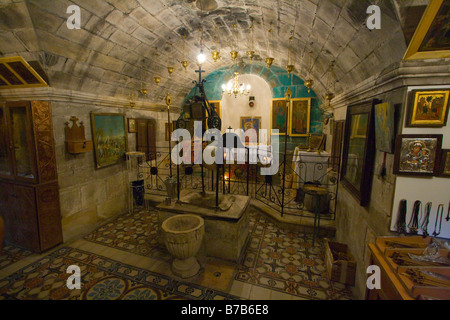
{"x":91,"y":196}
{"x":358,"y":226}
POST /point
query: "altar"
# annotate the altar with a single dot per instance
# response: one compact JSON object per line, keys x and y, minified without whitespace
{"x":309,"y":167}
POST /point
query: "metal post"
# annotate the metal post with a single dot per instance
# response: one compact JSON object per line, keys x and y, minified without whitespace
{"x":248,"y":169}
{"x":288,"y":101}
{"x":217,"y":185}
{"x":168,"y":102}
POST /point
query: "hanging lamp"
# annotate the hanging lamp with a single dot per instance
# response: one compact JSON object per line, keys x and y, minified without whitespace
{"x":309,"y":82}
{"x":184,"y":63}
{"x":269,"y":60}
{"x":290,"y":67}
{"x":234,"y":53}
{"x":251,"y":52}
{"x":235,"y":88}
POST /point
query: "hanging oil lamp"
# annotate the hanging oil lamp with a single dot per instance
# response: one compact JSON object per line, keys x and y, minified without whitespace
{"x":143,"y":90}
{"x":330,"y":95}
{"x":290,"y":66}
{"x":309,"y":82}
{"x":269,"y":60}
{"x":251,"y":52}
{"x":157,"y":80}
{"x":184,"y":63}
{"x":170,"y":70}
{"x":215,"y":55}
{"x":234,"y":53}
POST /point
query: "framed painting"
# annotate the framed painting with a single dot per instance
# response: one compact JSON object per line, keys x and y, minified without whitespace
{"x":428,"y":108}
{"x":279,"y":117}
{"x":217,"y":106}
{"x":358,"y":154}
{"x":417,"y":155}
{"x":110,"y":139}
{"x":384,"y":127}
{"x":248,"y":123}
{"x":445,"y":163}
{"x":299,"y":117}
{"x":431,"y":39}
{"x":132,"y":125}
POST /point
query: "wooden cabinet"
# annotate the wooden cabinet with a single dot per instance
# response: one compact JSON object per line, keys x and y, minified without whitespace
{"x":29,"y":196}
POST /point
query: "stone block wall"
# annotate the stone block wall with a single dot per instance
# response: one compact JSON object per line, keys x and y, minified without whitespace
{"x":358,"y":226}
{"x":91,"y":196}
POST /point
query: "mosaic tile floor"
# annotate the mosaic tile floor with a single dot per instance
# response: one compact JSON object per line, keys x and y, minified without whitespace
{"x":101,"y":279}
{"x":273,"y":258}
{"x":11,"y":254}
{"x":287,"y":262}
{"x":123,"y":260}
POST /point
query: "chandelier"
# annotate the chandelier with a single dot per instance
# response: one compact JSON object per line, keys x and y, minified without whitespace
{"x":236,"y":88}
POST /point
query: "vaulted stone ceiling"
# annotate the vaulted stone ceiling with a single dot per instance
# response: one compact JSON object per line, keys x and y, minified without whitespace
{"x":125,"y":42}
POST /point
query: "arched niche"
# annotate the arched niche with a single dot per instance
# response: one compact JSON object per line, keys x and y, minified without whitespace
{"x":267,"y":84}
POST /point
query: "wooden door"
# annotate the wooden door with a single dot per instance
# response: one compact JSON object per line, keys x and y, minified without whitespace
{"x":146,"y":138}
{"x":21,"y":225}
{"x":142,"y":136}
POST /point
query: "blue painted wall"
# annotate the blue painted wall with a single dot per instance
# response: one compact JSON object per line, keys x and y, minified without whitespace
{"x":278,"y":79}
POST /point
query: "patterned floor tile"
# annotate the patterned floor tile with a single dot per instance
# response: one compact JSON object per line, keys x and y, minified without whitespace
{"x":273,"y":258}
{"x":11,"y":254}
{"x":286,"y":262}
{"x":101,"y":278}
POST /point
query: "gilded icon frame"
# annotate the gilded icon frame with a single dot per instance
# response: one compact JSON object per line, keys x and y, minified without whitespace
{"x":414,"y":107}
{"x":431,"y":14}
{"x":293,"y":104}
{"x":284,"y":105}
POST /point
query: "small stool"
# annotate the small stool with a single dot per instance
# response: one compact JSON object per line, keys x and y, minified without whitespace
{"x":317,"y":193}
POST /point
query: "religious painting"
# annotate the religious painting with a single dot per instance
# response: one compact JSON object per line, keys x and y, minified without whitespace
{"x":417,"y":155}
{"x":299,"y":117}
{"x":132,"y":125}
{"x":445,"y":163}
{"x":432,"y":37}
{"x":279,"y":116}
{"x":217,"y":106}
{"x":384,"y":127}
{"x":110,"y":139}
{"x":248,"y":123}
{"x":359,"y":150}
{"x":428,"y":108}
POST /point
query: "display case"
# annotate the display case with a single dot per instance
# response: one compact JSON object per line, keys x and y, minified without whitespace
{"x":411,"y":268}
{"x":29,"y":193}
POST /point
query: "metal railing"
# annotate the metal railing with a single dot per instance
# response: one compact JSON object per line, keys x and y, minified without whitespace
{"x":282,"y":192}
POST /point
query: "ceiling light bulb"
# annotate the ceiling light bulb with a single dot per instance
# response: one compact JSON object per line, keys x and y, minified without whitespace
{"x":201,"y":58}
